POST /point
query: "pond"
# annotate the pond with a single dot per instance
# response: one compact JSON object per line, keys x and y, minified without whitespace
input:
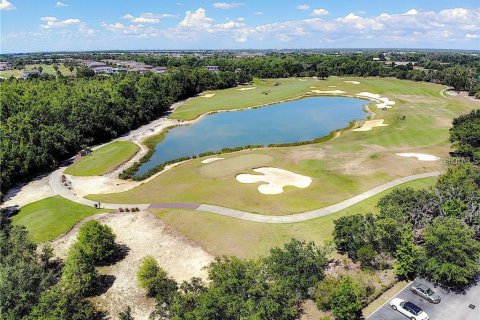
{"x":293,"y":121}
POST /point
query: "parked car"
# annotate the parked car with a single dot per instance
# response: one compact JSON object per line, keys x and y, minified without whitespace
{"x":408,"y":309}
{"x":425,"y":292}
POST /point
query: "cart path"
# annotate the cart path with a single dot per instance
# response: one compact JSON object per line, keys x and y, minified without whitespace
{"x":60,"y":189}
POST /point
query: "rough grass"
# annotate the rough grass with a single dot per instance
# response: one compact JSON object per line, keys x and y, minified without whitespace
{"x":49,"y":218}
{"x":228,"y":236}
{"x":103,"y":160}
{"x":341,"y":168}
{"x":48,"y":69}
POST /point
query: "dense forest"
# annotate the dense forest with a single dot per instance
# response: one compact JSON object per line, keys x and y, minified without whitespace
{"x":46,"y":120}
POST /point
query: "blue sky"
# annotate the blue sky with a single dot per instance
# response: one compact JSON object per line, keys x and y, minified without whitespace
{"x":45,"y":25}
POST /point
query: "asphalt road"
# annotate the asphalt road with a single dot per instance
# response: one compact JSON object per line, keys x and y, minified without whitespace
{"x":453,"y":306}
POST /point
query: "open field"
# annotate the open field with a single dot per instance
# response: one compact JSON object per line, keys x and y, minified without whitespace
{"x":47,"y":68}
{"x":49,"y":218}
{"x":226,"y":236}
{"x":104,"y":160}
{"x":341,"y":168}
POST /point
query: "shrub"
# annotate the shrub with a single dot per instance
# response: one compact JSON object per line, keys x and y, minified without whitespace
{"x":153,"y":278}
{"x":97,"y":241}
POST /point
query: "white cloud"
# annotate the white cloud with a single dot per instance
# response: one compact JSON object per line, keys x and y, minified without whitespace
{"x":472,"y":36}
{"x":147,"y":17}
{"x":52,"y":22}
{"x":6,"y":5}
{"x":258,"y":13}
{"x":60,"y":4}
{"x":227,"y":5}
{"x":411,"y":12}
{"x":197,"y":19}
{"x":303,"y":7}
{"x":320,"y":12}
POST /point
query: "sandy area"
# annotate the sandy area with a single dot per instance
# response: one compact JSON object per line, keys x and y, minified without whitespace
{"x":369,"y":124}
{"x":328,"y":91}
{"x":385,"y":103}
{"x":209,"y":160}
{"x":208,"y":95}
{"x":33,"y":191}
{"x":249,"y":88}
{"x":100,"y":184}
{"x":332,"y":86}
{"x":302,"y":80}
{"x":276,"y":179}
{"x":144,"y":234}
{"x":352,"y":82}
{"x":419,"y":156}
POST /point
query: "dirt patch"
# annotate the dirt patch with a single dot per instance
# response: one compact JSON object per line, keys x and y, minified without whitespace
{"x":143,"y":234}
{"x":33,"y":191}
{"x":208,"y":95}
{"x":99,"y":184}
{"x":298,"y":155}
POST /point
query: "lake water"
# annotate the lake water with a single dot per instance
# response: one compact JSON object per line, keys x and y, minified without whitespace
{"x":299,"y":120}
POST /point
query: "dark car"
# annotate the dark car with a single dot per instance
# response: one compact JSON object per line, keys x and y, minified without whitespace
{"x":425,"y":292}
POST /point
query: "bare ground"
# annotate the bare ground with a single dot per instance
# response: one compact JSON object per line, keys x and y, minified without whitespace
{"x":143,"y":234}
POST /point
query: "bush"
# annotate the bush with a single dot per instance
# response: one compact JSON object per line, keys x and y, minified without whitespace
{"x":79,"y":272}
{"x":345,"y":301}
{"x":324,"y":292}
{"x":97,"y":241}
{"x":366,"y":255}
{"x":153,"y":278}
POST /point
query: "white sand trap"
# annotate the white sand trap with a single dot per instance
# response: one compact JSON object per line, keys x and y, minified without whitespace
{"x":99,"y":184}
{"x":419,"y":156}
{"x":353,"y":82}
{"x":249,"y":88}
{"x":332,"y":86}
{"x":369,"y":124}
{"x":208,"y":95}
{"x":328,"y":91}
{"x":302,"y":80}
{"x":276,"y":179}
{"x":385,"y":103}
{"x":211,"y":160}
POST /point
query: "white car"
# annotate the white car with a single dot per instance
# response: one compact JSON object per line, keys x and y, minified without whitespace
{"x":408,"y":309}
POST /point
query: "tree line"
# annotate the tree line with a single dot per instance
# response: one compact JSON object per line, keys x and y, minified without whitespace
{"x":46,"y":121}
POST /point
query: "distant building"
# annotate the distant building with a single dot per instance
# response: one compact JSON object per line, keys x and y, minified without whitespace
{"x":376,"y":59}
{"x":238,"y":70}
{"x":93,"y":64}
{"x":102,"y":69}
{"x":159,"y":70}
{"x":212,"y":68}
{"x":140,"y":70}
{"x":119,"y":70}
{"x":30,"y":73}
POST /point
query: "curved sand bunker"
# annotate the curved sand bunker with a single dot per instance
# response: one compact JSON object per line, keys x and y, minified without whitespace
{"x":353,"y":82}
{"x":248,"y":88}
{"x":208,"y":95}
{"x":385,"y":103}
{"x":369,"y":124}
{"x":327,"y":92}
{"x":209,"y":160}
{"x":276,"y":179}
{"x":419,"y":156}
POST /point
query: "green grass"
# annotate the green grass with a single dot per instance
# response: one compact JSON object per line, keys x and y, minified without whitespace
{"x":104,"y":159}
{"x":340,"y":168}
{"x":228,"y":236}
{"x":47,"y":68}
{"x":49,"y":218}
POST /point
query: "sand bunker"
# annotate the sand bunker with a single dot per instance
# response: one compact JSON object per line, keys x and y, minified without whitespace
{"x":302,"y":80}
{"x":249,"y":88}
{"x":208,"y":95}
{"x":385,"y":103}
{"x":419,"y":156}
{"x":353,"y":82}
{"x":211,"y":160}
{"x":99,"y":184}
{"x":369,"y":124}
{"x":328,"y":91}
{"x":332,"y":86}
{"x":276,"y":179}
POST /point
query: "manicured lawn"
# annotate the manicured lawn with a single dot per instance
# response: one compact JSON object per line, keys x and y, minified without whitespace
{"x":47,"y":68}
{"x":340,"y":168}
{"x":227,"y":236}
{"x":104,"y":160}
{"x":49,"y":218}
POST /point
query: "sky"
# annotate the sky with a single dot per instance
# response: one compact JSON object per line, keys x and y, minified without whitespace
{"x":69,"y":25}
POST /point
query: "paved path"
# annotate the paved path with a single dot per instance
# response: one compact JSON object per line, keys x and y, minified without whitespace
{"x":59,"y":188}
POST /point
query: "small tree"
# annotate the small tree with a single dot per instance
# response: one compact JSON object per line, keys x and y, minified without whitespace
{"x":324,"y":292}
{"x":126,"y":314}
{"x":451,"y":252}
{"x":97,"y":241}
{"x":153,"y":278}
{"x":407,"y":257}
{"x":79,"y":272}
{"x":345,"y":301}
{"x":366,"y":254}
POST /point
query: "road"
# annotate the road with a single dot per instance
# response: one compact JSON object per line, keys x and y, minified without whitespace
{"x":453,"y":306}
{"x":59,"y":188}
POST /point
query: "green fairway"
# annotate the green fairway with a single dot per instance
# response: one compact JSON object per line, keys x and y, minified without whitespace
{"x":341,"y":168}
{"x":104,"y":160}
{"x":49,"y":218}
{"x":47,"y":69}
{"x":228,"y":236}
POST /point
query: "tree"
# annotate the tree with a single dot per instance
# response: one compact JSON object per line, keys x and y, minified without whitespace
{"x":156,"y":281}
{"x":365,"y":254}
{"x":299,"y":265}
{"x":126,"y":314}
{"x":353,"y":232}
{"x":40,"y":69}
{"x":451,"y":252}
{"x":465,"y":135}
{"x":324,"y":292}
{"x":407,"y":257}
{"x":79,"y":272}
{"x":345,"y":301}
{"x":97,"y":241}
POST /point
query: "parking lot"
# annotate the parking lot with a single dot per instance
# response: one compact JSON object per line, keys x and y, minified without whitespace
{"x":452,"y":307}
